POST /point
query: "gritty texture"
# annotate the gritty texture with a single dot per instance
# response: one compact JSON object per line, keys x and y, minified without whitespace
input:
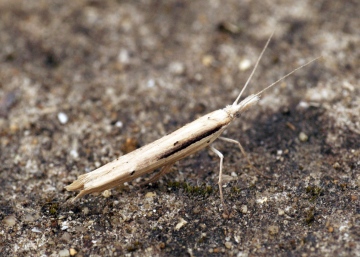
{"x":83,"y":82}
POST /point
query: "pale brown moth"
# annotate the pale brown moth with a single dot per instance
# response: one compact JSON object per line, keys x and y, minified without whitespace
{"x":165,"y":151}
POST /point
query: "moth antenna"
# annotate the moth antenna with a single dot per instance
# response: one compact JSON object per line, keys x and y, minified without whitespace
{"x":287,"y":75}
{"x":254,"y":69}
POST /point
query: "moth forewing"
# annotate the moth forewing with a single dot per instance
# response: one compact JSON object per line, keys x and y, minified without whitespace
{"x":179,"y":144}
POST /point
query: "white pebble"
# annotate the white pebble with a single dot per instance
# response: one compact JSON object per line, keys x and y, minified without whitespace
{"x":261,"y":200}
{"x":151,"y":83}
{"x":63,"y":118}
{"x":244,"y":209}
{"x":124,"y":56}
{"x":119,"y":124}
{"x":244,"y":64}
{"x":86,"y":210}
{"x":303,"y":105}
{"x":35,"y":230}
{"x":64,"y":253}
{"x":74,"y":153}
{"x":64,"y":225}
{"x":106,"y":193}
{"x":303,"y":137}
{"x":281,"y":212}
{"x":177,"y":68}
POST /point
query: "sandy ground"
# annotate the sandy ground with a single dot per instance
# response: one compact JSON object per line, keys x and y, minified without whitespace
{"x":83,"y":82}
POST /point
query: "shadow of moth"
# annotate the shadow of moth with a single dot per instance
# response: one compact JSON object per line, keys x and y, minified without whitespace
{"x":165,"y":151}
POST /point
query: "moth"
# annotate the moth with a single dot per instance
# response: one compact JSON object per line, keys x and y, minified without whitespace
{"x":164,"y":152}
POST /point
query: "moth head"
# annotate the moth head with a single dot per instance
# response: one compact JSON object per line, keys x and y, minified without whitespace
{"x":235,"y":109}
{"x":246,"y":103}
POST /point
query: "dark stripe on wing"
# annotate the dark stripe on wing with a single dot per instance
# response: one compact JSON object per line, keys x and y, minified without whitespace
{"x":189,"y":142}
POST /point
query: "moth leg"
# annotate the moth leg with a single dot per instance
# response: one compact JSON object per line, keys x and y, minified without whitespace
{"x":243,"y":152}
{"x":220,"y":182}
{"x":165,"y":169}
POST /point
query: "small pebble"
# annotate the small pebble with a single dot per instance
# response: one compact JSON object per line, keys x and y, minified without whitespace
{"x":207,"y":60}
{"x":28,"y":218}
{"x":106,"y":193}
{"x":244,"y":65}
{"x":124,"y":56}
{"x":229,"y":27}
{"x":198,"y":77}
{"x":63,"y":118}
{"x":180,"y":224}
{"x":242,"y":254}
{"x":228,"y":245}
{"x":9,"y":221}
{"x":281,"y":212}
{"x":151,"y":83}
{"x":348,"y":86}
{"x":217,"y":250}
{"x":35,"y":230}
{"x":196,"y":210}
{"x":66,"y":237}
{"x":74,"y":153}
{"x":336,"y":165}
{"x":119,"y":124}
{"x":202,"y":225}
{"x":273,"y":230}
{"x":64,"y":225}
{"x":150,"y":194}
{"x":64,"y":253}
{"x":303,"y":105}
{"x":73,"y":252}
{"x":86,"y":210}
{"x":177,"y":68}
{"x":303,"y":137}
{"x":244,"y":209}
{"x":261,"y":200}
